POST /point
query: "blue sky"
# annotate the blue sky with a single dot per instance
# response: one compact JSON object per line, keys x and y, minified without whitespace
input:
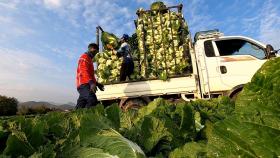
{"x":41,"y":40}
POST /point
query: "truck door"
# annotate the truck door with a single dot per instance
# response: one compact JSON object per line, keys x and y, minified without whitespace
{"x":239,"y":60}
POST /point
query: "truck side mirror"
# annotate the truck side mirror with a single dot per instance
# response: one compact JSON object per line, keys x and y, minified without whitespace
{"x":270,"y":52}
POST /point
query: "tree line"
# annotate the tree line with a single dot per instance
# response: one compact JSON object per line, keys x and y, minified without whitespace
{"x":9,"y":106}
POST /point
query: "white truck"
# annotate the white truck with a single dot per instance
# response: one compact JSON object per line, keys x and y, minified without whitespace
{"x":221,"y":66}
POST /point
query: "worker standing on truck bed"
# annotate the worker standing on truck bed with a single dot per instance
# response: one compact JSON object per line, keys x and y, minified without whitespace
{"x":85,"y":79}
{"x":127,"y":67}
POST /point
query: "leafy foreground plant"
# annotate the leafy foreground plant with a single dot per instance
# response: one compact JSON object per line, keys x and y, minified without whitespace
{"x":162,"y":126}
{"x":252,"y":130}
{"x":162,"y":129}
{"x":157,"y":128}
{"x":85,"y":133}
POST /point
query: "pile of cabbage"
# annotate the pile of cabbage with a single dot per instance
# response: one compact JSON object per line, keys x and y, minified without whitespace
{"x":160,"y":47}
{"x":108,"y":64}
{"x":163,"y":39}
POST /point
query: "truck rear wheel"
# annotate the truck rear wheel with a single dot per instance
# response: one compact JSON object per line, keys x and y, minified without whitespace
{"x":135,"y":103}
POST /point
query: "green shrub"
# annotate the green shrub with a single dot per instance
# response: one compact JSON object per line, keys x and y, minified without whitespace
{"x":8,"y":106}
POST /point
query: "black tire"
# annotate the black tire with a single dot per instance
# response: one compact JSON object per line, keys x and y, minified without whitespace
{"x":235,"y":95}
{"x":134,"y":104}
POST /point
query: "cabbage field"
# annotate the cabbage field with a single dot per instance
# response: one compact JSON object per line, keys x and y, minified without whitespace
{"x":249,"y":127}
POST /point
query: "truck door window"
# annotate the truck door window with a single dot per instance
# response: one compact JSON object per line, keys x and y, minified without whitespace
{"x":209,"y":50}
{"x":239,"y":47}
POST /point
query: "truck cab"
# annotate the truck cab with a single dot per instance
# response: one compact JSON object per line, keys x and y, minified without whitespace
{"x":226,"y":63}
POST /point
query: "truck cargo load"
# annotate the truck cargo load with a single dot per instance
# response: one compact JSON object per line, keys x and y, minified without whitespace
{"x":162,"y":47}
{"x":163,"y":41}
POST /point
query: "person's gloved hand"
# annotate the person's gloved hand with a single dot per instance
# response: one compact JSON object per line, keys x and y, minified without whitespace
{"x":92,"y":86}
{"x":119,"y":54}
{"x":100,"y":86}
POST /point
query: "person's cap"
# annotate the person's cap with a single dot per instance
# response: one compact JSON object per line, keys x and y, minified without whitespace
{"x":93,"y":45}
{"x":125,"y":37}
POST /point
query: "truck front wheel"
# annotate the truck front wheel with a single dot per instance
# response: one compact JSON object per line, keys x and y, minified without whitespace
{"x":235,"y":91}
{"x":234,"y":95}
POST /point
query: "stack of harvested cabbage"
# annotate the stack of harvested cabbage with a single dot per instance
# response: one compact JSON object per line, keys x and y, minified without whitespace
{"x":163,"y":39}
{"x":109,"y":65}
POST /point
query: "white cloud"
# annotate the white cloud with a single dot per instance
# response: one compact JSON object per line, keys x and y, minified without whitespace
{"x":270,"y":24}
{"x":8,"y":5}
{"x":29,"y":76}
{"x":9,"y":34}
{"x":11,"y":28}
{"x":108,"y":17}
{"x":63,"y":52}
{"x":199,"y":19}
{"x":52,"y":3}
{"x":265,"y":24}
{"x":90,"y":13}
{"x":22,"y":31}
{"x":250,"y":24}
{"x":21,"y":64}
{"x":6,"y":19}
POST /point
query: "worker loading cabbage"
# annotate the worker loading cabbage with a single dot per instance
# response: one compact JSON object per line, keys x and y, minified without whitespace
{"x":163,"y":39}
{"x":115,"y":63}
{"x":109,"y":40}
{"x":124,"y":52}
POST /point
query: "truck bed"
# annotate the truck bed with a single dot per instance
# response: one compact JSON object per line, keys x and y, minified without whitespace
{"x":176,"y":85}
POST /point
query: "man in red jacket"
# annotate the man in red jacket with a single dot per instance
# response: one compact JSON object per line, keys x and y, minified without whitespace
{"x":85,"y":79}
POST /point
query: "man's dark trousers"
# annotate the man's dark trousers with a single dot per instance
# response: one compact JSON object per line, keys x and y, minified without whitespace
{"x":127,"y":69}
{"x":87,"y":98}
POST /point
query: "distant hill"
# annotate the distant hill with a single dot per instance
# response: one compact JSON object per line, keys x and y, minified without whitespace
{"x":66,"y":107}
{"x":32,"y":104}
{"x":71,"y":103}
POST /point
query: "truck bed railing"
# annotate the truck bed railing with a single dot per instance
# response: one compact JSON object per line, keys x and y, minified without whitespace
{"x":149,"y":79}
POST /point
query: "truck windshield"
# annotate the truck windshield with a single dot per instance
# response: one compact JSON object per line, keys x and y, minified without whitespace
{"x":239,"y":47}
